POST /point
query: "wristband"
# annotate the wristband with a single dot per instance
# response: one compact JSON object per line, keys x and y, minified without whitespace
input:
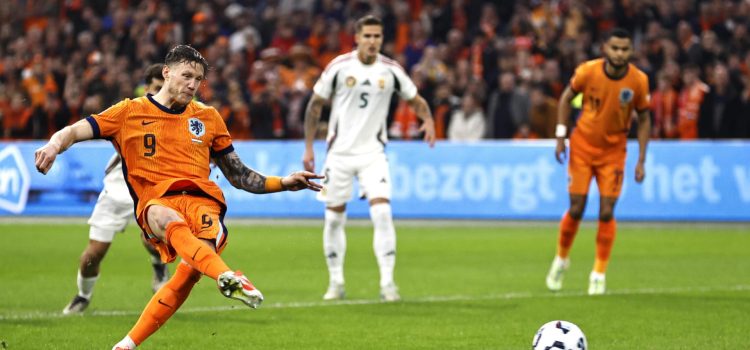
{"x":561,"y":130}
{"x":273,"y":184}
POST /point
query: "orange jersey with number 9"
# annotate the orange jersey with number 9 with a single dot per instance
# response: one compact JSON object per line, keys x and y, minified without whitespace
{"x":608,"y":102}
{"x":163,"y":149}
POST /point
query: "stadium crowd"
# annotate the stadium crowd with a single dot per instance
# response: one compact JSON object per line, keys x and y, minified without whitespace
{"x":488,"y":69}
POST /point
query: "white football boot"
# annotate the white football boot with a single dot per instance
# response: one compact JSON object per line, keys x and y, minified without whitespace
{"x":389,"y":293}
{"x":556,"y":273}
{"x":335,"y":292}
{"x":235,"y":285}
{"x":597,"y":283}
{"x":76,"y":306}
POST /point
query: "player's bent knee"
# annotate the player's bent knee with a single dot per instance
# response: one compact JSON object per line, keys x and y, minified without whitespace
{"x":381,"y":214}
{"x":159,"y":218}
{"x":606,"y":216}
{"x":334,"y":219}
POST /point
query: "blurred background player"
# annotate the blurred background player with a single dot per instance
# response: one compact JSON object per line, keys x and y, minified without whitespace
{"x":612,"y":88}
{"x":111,"y":214}
{"x":360,"y":84}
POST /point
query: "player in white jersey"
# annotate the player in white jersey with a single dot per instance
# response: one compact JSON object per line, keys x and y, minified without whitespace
{"x":111,"y":214}
{"x":360,"y":85}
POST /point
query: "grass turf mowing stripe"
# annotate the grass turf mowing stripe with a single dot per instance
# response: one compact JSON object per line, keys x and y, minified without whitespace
{"x":426,"y":299}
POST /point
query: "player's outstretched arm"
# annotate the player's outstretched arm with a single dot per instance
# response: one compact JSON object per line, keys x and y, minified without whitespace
{"x":244,"y":178}
{"x":644,"y":130}
{"x":563,"y":111}
{"x":422,"y":109}
{"x":45,"y":156}
{"x":312,"y":118}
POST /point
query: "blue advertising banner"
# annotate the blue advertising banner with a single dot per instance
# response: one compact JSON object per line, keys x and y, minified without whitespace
{"x":488,"y":180}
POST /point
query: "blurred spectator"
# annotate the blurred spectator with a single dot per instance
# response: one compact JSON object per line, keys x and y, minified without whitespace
{"x":444,"y":103}
{"x":692,"y":120}
{"x":467,"y":123}
{"x":726,"y":108}
{"x":16,"y":115}
{"x":504,"y":109}
{"x":664,"y":108}
{"x":542,"y":116}
{"x":62,"y":53}
{"x":297,"y":82}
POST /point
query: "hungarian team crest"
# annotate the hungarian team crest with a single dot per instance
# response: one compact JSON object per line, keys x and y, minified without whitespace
{"x":196,"y":127}
{"x":350,"y":81}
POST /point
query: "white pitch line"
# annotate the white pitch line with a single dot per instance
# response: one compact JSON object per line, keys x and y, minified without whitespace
{"x":37,"y":315}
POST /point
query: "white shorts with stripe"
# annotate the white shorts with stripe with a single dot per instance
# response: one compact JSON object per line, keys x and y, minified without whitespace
{"x":113,"y":209}
{"x":372,"y":173}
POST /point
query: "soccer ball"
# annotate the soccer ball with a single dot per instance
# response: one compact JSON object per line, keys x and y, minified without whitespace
{"x":559,"y":335}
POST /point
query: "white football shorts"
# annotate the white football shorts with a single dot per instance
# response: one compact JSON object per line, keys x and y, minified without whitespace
{"x":372,"y":173}
{"x":113,"y":209}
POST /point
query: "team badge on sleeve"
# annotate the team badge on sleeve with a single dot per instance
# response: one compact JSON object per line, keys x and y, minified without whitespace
{"x":196,"y":127}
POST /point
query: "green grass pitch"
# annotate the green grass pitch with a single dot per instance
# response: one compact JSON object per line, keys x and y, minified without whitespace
{"x":464,"y":285}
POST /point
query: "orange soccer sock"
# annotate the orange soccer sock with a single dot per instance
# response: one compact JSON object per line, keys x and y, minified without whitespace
{"x":165,"y":302}
{"x":605,"y":238}
{"x":568,"y":230}
{"x":197,"y":254}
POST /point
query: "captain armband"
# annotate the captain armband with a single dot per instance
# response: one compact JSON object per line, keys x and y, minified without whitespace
{"x":273,"y":184}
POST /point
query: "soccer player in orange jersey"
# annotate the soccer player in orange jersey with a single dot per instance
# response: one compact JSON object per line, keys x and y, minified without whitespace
{"x":166,"y":142}
{"x":111,"y":214}
{"x":612,"y":89}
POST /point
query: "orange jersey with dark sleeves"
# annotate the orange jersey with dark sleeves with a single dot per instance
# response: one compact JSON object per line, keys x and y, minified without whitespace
{"x":163,"y":149}
{"x":608,"y":103}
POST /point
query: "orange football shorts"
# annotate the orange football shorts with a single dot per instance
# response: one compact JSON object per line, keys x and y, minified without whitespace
{"x":607,"y":165}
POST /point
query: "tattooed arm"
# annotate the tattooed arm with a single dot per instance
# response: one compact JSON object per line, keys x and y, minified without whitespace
{"x":244,"y":178}
{"x":312,"y":117}
{"x":423,"y":112}
{"x":239,"y":175}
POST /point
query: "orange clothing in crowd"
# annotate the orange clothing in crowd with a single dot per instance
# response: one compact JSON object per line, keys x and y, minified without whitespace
{"x":689,"y":105}
{"x":38,"y":89}
{"x":405,"y":122}
{"x":664,"y":109}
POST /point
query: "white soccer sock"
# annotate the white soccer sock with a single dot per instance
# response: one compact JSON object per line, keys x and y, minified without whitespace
{"x":125,"y":343}
{"x":384,"y":241}
{"x":86,"y":285}
{"x":334,"y":244}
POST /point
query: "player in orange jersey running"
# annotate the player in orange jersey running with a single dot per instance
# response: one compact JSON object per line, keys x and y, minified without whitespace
{"x":166,"y":142}
{"x":612,"y":89}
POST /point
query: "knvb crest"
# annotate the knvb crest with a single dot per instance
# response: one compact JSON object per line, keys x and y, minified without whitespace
{"x":14,"y":180}
{"x":196,"y":127}
{"x":626,"y":96}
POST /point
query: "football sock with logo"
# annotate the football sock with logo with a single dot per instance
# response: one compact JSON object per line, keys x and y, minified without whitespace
{"x":384,"y":241}
{"x":568,"y":230}
{"x":165,"y":302}
{"x":334,"y":244}
{"x":86,"y":285}
{"x":196,"y":253}
{"x":605,"y":238}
